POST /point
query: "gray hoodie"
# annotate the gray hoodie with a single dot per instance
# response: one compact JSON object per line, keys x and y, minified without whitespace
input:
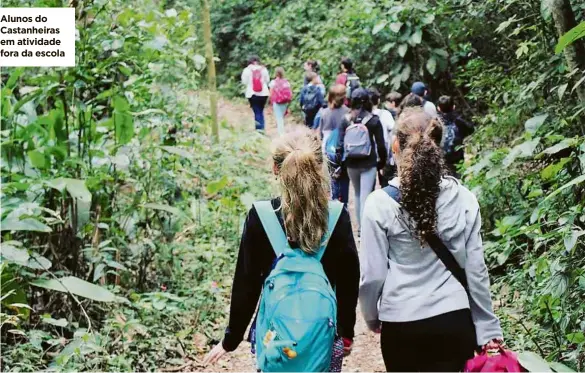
{"x":403,"y":281}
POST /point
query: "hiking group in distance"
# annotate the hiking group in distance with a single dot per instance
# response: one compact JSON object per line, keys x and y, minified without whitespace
{"x":420,"y":274}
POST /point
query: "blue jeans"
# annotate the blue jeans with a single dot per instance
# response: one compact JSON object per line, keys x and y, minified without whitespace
{"x":257,"y":104}
{"x":340,"y":188}
{"x":279,"y":110}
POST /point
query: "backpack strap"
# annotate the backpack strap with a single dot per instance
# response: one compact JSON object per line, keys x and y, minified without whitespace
{"x":366,"y":119}
{"x":335,"y":208}
{"x":437,"y":245}
{"x":272,"y":226}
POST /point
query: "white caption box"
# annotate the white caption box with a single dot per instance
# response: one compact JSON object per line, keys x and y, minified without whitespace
{"x":37,"y":37}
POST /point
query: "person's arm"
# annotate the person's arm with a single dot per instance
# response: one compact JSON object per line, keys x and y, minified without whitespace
{"x":245,"y":76}
{"x":466,"y":128}
{"x":302,"y":97}
{"x":348,"y":275}
{"x":486,"y":322}
{"x":247,"y":283}
{"x":373,"y":261}
{"x":265,"y":76}
{"x":342,"y":127}
{"x":380,"y":143}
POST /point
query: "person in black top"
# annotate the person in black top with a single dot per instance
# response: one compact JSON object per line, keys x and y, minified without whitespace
{"x":362,"y":171}
{"x":302,"y":211}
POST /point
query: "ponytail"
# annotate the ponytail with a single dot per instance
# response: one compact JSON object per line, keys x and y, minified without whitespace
{"x":421,"y":167}
{"x":304,"y":187}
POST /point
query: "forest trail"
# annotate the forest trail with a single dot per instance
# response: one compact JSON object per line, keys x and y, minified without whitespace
{"x":366,"y":354}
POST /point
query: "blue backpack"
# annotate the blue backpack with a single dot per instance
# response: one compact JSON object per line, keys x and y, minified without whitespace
{"x":297,"y":316}
{"x":331,"y":146}
{"x":312,"y":99}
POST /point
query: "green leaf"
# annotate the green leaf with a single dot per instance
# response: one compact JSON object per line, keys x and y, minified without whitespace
{"x":75,"y":187}
{"x":441,"y":52}
{"x":379,"y":27}
{"x":395,"y":26}
{"x":178,"y":151}
{"x":216,"y":186}
{"x":573,"y":34}
{"x":21,"y":257}
{"x":526,"y":149}
{"x":578,"y":337}
{"x":533,"y":124}
{"x":382,"y":78}
{"x":161,"y":207}
{"x":28,"y":224}
{"x":575,"y":181}
{"x":558,"y":367}
{"x":432,"y":65}
{"x":553,"y":169}
{"x":123,"y":120}
{"x":428,"y":19}
{"x":104,"y":94}
{"x":571,"y":239}
{"x":77,"y":286}
{"x":564,"y":144}
{"x":579,"y":82}
{"x":37,"y":159}
{"x":405,"y":73}
{"x":532,"y":362}
{"x":402,"y":49}
{"x":416,"y":37}
{"x":51,"y":321}
{"x":562,"y":89}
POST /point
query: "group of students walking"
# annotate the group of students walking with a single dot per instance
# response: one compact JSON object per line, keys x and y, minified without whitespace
{"x":420,"y":275}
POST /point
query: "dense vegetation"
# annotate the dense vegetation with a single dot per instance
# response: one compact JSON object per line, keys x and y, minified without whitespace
{"x":119,"y":215}
{"x":526,"y":161}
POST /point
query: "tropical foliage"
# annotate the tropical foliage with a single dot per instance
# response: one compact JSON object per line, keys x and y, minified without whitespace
{"x":526,"y":160}
{"x":119,"y":215}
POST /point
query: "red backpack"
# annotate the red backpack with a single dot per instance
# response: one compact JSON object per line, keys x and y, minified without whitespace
{"x":281,"y":92}
{"x":257,"y":80}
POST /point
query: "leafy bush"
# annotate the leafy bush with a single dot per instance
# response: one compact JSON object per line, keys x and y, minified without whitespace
{"x":120,"y":217}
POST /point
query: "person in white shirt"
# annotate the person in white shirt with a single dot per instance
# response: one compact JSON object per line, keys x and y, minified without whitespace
{"x":387,"y":120}
{"x":255,"y":78}
{"x":420,"y":89}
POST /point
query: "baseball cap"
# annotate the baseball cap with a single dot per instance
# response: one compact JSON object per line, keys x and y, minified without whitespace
{"x":418,"y":88}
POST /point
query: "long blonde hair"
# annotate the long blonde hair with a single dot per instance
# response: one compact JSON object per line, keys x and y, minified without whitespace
{"x":304,"y":187}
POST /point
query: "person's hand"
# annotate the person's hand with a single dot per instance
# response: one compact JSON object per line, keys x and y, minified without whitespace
{"x":214,"y":355}
{"x":347,"y":345}
{"x":494,"y":344}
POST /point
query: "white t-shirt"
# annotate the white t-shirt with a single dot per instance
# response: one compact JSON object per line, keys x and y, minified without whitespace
{"x":247,"y":81}
{"x":387,"y":121}
{"x":430,"y":109}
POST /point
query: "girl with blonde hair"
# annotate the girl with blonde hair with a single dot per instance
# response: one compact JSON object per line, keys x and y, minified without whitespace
{"x":303,"y":214}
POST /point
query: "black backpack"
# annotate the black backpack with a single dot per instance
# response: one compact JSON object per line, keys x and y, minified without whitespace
{"x":351,"y":84}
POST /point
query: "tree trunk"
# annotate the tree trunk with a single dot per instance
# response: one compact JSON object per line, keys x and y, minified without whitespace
{"x":210,"y":68}
{"x":564,"y":19}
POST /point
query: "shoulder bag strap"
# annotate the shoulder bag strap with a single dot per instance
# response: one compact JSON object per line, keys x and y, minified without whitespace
{"x":437,"y":245}
{"x":272,"y":226}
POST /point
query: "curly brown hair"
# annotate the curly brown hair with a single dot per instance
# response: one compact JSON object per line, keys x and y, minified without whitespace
{"x":421,"y":166}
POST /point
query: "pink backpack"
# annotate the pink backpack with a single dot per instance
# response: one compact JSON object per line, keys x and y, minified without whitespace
{"x":503,"y":361}
{"x":257,"y":80}
{"x":281,"y":92}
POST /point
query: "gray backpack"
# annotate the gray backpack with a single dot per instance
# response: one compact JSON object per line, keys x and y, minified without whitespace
{"x":356,"y":142}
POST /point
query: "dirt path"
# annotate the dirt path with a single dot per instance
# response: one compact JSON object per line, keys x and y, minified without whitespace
{"x":366,"y":355}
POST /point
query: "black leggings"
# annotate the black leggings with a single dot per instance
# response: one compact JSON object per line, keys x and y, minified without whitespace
{"x":441,"y":343}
